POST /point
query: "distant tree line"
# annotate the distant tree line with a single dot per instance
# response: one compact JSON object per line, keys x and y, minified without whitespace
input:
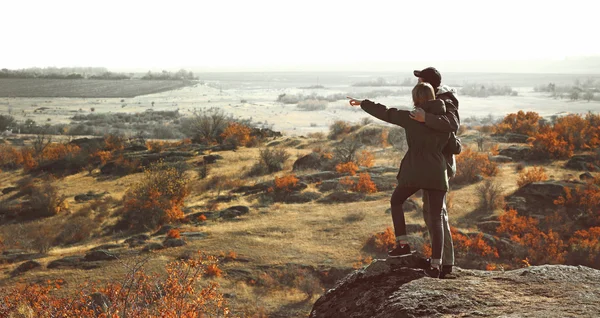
{"x":581,"y":89}
{"x":96,"y":73}
{"x":166,"y":75}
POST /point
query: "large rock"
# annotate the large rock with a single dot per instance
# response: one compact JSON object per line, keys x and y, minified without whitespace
{"x":516,"y":152}
{"x":311,"y":161}
{"x":583,"y":163}
{"x":501,"y":159}
{"x":342,"y":197}
{"x":318,"y":176}
{"x":25,"y":267}
{"x":385,"y":290}
{"x":302,"y":197}
{"x":174,"y":242}
{"x":99,"y":255}
{"x":518,"y":138}
{"x":234,"y":211}
{"x":538,"y":197}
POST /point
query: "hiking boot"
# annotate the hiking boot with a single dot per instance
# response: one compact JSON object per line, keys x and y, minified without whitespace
{"x":402,"y":250}
{"x":446,"y":270}
{"x":432,"y":272}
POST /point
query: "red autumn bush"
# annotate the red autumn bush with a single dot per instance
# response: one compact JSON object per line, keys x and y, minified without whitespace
{"x":156,"y":199}
{"x":534,"y":174}
{"x":521,"y":123}
{"x":364,"y":184}
{"x":174,"y":234}
{"x":135,"y":296}
{"x":366,"y":159}
{"x":542,"y":247}
{"x":584,"y":248}
{"x":383,"y":241}
{"x":468,"y":247}
{"x":237,"y":134}
{"x":348,"y":167}
{"x":286,"y":183}
{"x":471,"y":164}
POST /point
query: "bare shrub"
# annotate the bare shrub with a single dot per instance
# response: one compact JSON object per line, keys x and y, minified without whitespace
{"x":316,"y":135}
{"x":46,"y":201}
{"x":397,"y":138}
{"x":354,"y":217}
{"x":270,"y":160}
{"x":345,"y":150}
{"x":206,"y":127}
{"x":490,"y":195}
{"x":340,"y":128}
{"x":312,"y":105}
{"x":75,"y":230}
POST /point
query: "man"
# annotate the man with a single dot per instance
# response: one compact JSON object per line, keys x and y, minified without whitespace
{"x":449,"y":122}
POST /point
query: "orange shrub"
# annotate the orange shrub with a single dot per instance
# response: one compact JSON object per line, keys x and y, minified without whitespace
{"x":495,"y":149}
{"x":521,"y":123}
{"x":366,"y":159}
{"x":346,"y":183}
{"x":470,"y":164}
{"x":585,"y":247}
{"x":213,"y":270}
{"x":542,"y":247}
{"x":135,"y":296}
{"x":174,"y":233}
{"x":237,"y":134}
{"x":102,"y":155}
{"x":584,"y":199}
{"x":362,"y":261}
{"x":548,"y":143}
{"x":202,"y":218}
{"x":491,"y":267}
{"x":534,"y":174}
{"x":58,"y":151}
{"x":114,"y":142}
{"x":156,"y":199}
{"x":286,"y":183}
{"x":365,"y":185}
{"x":466,"y":245}
{"x":156,"y":146}
{"x":384,"y":241}
{"x":348,"y":167}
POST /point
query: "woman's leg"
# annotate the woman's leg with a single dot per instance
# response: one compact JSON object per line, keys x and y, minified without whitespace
{"x":398,"y":198}
{"x":436,"y":201}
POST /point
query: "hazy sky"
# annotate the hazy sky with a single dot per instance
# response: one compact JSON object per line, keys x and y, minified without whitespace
{"x":221,"y":34}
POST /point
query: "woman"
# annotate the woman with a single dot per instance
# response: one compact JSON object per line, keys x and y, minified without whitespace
{"x":423,"y":167}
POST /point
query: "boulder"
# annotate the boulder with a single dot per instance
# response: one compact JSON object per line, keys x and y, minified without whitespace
{"x":501,"y":159}
{"x":152,"y":247}
{"x":89,"y":196}
{"x":25,"y":267}
{"x":342,"y":197}
{"x":394,"y":288}
{"x":210,"y":159}
{"x":583,"y":163}
{"x":106,"y":247}
{"x":586,"y":176}
{"x":8,"y":190}
{"x":318,"y":177}
{"x":488,"y":226}
{"x":517,"y":153}
{"x":538,"y":197}
{"x":234,"y":211}
{"x":517,"y":138}
{"x":311,"y":161}
{"x":99,"y":255}
{"x":302,"y":197}
{"x":174,"y":242}
{"x":137,"y":240}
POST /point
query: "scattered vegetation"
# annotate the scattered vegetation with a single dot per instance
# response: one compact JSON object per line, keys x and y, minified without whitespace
{"x":471,"y":166}
{"x":533,"y":174}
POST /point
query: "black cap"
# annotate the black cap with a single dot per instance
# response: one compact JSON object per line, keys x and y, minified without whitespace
{"x":430,"y":75}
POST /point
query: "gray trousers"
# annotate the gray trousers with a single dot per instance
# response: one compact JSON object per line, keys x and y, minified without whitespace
{"x":448,"y":248}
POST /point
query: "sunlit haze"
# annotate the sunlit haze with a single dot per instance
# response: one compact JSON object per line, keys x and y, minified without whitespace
{"x":286,"y":35}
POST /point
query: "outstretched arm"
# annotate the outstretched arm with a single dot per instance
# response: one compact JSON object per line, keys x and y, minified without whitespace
{"x":390,"y":115}
{"x":448,"y":122}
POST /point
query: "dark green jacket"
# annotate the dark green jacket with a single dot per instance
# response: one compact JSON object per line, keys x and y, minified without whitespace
{"x":424,"y":165}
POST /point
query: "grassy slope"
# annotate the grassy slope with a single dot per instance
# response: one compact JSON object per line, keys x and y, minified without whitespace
{"x":311,"y":234}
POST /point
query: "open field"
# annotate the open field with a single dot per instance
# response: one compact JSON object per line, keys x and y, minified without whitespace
{"x":83,"y":88}
{"x":255,"y":95}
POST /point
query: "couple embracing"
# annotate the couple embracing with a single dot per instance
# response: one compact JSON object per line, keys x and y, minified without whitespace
{"x":428,"y":164}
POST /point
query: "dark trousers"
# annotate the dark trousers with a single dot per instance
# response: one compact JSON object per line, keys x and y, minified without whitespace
{"x":436,"y":201}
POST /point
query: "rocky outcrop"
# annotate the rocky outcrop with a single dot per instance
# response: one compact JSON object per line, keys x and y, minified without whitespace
{"x":583,"y":163}
{"x":516,"y":152}
{"x":387,"y":289}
